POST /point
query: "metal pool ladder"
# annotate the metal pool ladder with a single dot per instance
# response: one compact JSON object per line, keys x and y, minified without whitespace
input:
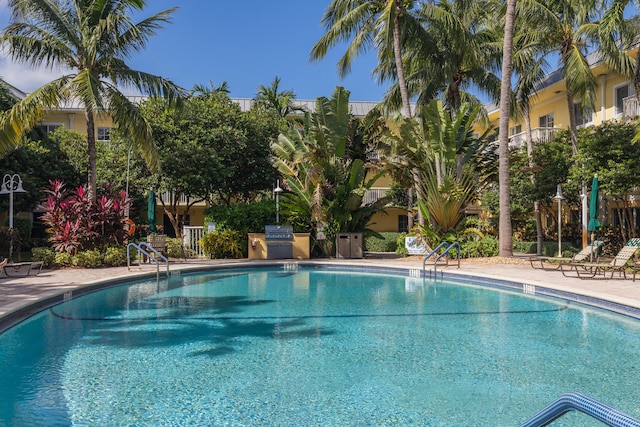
{"x":447,"y":247}
{"x":146,"y":249}
{"x":585,"y":404}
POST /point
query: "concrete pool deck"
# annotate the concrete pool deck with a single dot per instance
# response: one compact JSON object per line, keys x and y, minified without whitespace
{"x":22,"y":296}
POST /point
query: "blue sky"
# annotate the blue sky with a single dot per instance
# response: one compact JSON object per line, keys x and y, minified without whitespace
{"x":245,"y":43}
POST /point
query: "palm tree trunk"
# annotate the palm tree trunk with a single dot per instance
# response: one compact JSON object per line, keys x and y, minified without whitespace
{"x":505,"y":238}
{"x":404,"y":93}
{"x":536,"y":203}
{"x":91,"y":152}
{"x":573,"y":127}
{"x":636,"y":84}
{"x":397,"y":52}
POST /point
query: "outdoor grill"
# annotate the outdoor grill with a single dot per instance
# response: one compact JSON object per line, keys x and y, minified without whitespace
{"x":279,"y":241}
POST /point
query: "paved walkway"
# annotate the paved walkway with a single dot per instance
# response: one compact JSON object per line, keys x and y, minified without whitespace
{"x":18,"y":295}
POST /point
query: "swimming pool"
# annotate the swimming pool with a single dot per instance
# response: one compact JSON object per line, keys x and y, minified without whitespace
{"x":312,"y":347}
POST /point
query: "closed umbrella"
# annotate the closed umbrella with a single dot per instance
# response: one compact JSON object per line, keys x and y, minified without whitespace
{"x":151,"y":211}
{"x":594,"y":207}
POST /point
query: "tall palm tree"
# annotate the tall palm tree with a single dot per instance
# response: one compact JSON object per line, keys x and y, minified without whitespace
{"x":90,"y":40}
{"x":457,"y":50}
{"x":505,"y":238}
{"x":382,"y":24}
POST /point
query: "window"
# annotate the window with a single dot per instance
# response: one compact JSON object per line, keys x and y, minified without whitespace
{"x":515,"y":130}
{"x":584,"y":116}
{"x":546,"y":121}
{"x":620,"y":93}
{"x":403,"y":223}
{"x":47,"y":128}
{"x":104,"y":134}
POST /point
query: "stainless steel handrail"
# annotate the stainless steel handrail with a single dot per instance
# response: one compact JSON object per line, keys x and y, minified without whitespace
{"x":141,"y":249}
{"x":446,"y":251}
{"x":579,"y":402}
{"x":448,"y":246}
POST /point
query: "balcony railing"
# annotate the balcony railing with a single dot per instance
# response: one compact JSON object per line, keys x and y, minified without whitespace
{"x":537,"y":135}
{"x":373,"y":195}
{"x":630,"y":108}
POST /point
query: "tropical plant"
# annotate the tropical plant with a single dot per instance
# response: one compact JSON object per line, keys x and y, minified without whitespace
{"x":325,"y":169}
{"x":75,"y":222}
{"x":90,"y":39}
{"x":279,"y":102}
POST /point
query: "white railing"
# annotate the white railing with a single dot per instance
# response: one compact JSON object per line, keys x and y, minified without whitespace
{"x":373,"y":195}
{"x":190,"y":237}
{"x":537,"y":135}
{"x":630,"y":108}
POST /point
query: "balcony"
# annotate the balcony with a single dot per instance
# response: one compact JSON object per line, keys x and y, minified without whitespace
{"x":373,"y":195}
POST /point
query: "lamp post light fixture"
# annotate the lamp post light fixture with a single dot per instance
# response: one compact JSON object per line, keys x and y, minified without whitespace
{"x":277,"y":191}
{"x":11,"y":184}
{"x":559,"y":198}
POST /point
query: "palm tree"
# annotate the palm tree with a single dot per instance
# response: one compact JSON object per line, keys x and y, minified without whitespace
{"x":90,"y":40}
{"x":382,"y":24}
{"x":505,"y":238}
{"x":456,"y":50}
{"x":276,"y":100}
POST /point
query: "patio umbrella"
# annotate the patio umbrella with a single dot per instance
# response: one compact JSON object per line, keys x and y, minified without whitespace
{"x":594,"y":207}
{"x":151,"y":211}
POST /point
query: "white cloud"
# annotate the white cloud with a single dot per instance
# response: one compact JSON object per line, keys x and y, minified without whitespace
{"x":25,"y":77}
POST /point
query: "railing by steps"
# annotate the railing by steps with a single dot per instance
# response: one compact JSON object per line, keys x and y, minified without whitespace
{"x":146,"y":249}
{"x":585,"y":404}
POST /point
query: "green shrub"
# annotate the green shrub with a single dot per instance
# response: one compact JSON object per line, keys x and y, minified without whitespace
{"x":401,"y":249}
{"x":176,"y":249}
{"x":548,"y":248}
{"x":46,"y":255}
{"x":222,"y":244}
{"x":485,"y":247}
{"x":91,"y":258}
{"x":246,"y":218}
{"x":24,"y":226}
{"x":63,"y":259}
{"x":389,"y":242}
{"x":115,"y":256}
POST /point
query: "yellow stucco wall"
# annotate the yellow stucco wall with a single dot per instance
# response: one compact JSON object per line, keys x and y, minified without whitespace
{"x":301,"y":246}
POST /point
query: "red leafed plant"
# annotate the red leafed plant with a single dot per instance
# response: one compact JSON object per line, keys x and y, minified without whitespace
{"x":75,"y":222}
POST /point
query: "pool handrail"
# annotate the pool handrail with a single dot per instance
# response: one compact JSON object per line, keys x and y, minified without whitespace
{"x":446,"y":251}
{"x":448,"y":246}
{"x":435,"y":251}
{"x":141,"y":249}
{"x":575,"y":401}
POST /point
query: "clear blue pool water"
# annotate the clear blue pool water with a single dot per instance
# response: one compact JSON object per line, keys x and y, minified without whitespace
{"x":312,"y":347}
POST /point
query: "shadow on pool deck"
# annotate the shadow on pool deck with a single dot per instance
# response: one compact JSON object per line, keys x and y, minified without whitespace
{"x":20,"y":292}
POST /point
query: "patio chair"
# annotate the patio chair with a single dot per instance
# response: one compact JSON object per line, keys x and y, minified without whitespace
{"x":22,"y":269}
{"x":618,"y":264}
{"x":589,"y":253}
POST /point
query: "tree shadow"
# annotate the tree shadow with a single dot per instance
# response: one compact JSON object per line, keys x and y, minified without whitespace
{"x":215,"y":320}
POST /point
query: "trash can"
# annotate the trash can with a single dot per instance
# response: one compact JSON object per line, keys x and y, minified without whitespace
{"x":349,"y":245}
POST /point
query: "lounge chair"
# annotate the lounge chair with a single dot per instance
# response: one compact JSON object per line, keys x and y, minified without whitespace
{"x":22,"y":269}
{"x":589,"y":253}
{"x":618,"y":264}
